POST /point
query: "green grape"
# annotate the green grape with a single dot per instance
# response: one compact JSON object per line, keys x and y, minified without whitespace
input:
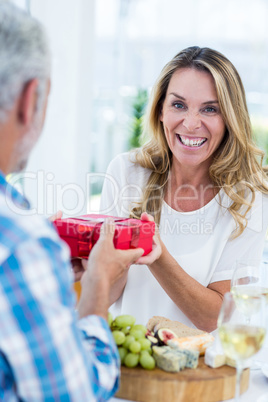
{"x":114,"y":327}
{"x":135,"y":347}
{"x":137,"y":333}
{"x":145,"y":352}
{"x":119,"y":337}
{"x":145,"y":344}
{"x":110,"y":319}
{"x":147,"y":361}
{"x":125,"y":330}
{"x":128,"y":340}
{"x":131,"y":360}
{"x":140,"y":328}
{"x":124,"y":320}
{"x":148,"y":351}
{"x":122,"y":353}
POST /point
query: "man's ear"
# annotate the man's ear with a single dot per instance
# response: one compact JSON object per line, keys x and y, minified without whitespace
{"x":27,"y":103}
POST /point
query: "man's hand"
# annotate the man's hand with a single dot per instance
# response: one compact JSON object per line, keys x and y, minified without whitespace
{"x":156,"y":248}
{"x":108,"y":261}
{"x":106,"y":265}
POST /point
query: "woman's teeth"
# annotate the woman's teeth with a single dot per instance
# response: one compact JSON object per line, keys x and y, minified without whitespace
{"x":192,"y":143}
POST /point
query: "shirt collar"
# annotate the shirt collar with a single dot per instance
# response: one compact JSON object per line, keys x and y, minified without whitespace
{"x":10,"y":191}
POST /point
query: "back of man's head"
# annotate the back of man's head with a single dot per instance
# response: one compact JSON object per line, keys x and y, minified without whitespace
{"x":24,"y":55}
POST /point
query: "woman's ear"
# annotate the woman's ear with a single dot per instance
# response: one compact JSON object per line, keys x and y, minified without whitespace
{"x":27,"y":103}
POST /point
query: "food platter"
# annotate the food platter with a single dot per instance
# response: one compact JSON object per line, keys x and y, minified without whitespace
{"x":203,"y":384}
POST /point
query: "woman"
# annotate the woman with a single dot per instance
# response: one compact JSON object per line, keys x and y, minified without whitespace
{"x":200,"y":176}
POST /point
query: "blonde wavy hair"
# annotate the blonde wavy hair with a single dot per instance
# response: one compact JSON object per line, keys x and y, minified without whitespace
{"x":237,"y":165}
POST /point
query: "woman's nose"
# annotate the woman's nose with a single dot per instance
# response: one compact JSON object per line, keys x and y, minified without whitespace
{"x":192,"y":121}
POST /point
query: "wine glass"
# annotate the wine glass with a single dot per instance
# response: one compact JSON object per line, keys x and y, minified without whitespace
{"x":250,"y":277}
{"x":244,"y":282}
{"x":241,"y":339}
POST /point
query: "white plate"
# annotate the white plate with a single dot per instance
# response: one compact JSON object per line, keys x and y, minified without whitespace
{"x":264,"y":369}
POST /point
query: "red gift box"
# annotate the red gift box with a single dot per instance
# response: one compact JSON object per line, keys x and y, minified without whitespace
{"x":81,"y":233}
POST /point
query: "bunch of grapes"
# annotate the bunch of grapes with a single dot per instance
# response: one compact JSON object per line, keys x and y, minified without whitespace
{"x":133,"y":346}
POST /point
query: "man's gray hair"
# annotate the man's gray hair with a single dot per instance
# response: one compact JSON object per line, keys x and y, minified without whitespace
{"x":24,"y":55}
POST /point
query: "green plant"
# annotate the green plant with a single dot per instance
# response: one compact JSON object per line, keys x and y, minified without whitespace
{"x":260,"y":132}
{"x":138,"y":108}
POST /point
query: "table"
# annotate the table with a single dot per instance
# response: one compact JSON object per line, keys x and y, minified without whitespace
{"x":258,"y":386}
{"x":258,"y":383}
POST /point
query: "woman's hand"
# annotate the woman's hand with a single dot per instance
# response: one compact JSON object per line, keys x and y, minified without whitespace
{"x":79,"y":266}
{"x":156,"y":248}
{"x":57,"y":215}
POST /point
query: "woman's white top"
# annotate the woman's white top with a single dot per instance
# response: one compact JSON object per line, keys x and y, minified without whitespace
{"x":199,"y":240}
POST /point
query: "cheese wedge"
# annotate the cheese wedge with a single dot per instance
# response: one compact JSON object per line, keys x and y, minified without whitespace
{"x":214,"y":358}
{"x":169,"y":359}
{"x":192,"y":357}
{"x":197,"y":342}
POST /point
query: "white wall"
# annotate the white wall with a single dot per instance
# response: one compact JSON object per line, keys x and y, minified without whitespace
{"x":56,"y":174}
{"x":133,"y":39}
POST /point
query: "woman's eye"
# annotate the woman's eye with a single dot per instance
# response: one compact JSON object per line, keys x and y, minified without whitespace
{"x":178,"y":105}
{"x":210,"y":109}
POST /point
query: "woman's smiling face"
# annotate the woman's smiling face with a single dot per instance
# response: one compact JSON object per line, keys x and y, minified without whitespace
{"x":193,"y":125}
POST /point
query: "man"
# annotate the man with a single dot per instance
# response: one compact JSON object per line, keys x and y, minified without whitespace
{"x":46,"y":351}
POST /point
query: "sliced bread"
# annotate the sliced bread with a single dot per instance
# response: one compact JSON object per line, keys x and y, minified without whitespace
{"x":181,"y":330}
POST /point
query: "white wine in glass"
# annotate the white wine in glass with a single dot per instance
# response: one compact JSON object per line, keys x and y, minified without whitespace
{"x":241,"y":339}
{"x":250,"y":278}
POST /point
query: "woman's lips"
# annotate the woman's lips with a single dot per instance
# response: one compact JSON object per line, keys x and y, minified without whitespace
{"x":191,"y":142}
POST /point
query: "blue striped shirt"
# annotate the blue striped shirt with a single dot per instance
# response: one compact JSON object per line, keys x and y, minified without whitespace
{"x":46,"y":353}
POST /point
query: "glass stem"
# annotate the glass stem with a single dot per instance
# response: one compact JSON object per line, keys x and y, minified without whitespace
{"x":239,"y":369}
{"x":247,"y":320}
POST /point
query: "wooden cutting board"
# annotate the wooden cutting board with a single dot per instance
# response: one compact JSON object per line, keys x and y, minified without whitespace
{"x":203,"y":384}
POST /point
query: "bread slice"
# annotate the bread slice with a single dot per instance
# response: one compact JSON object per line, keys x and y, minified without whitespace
{"x":181,"y":330}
